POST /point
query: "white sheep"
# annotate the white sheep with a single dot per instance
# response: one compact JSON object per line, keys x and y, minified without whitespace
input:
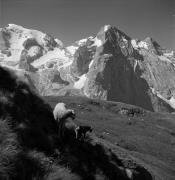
{"x":64,"y":117}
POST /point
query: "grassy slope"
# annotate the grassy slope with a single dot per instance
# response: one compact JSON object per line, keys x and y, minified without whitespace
{"x":148,"y":137}
{"x":30,"y":148}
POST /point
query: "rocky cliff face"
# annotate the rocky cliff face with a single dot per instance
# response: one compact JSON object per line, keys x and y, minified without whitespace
{"x":110,"y":66}
{"x":135,"y":72}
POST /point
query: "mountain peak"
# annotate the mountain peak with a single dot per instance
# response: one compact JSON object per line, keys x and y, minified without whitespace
{"x":106,"y":27}
{"x":153,"y":45}
{"x":109,"y":66}
{"x":150,"y":40}
{"x":111,"y":34}
{"x":15,"y":26}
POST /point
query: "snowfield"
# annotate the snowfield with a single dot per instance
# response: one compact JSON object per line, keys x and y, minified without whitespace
{"x":80,"y":83}
{"x":56,"y":54}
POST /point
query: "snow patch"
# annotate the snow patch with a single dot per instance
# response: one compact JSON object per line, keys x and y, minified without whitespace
{"x":82,"y":41}
{"x":33,"y":51}
{"x":90,"y":64}
{"x":59,"y":42}
{"x":125,"y":40}
{"x":139,"y":44}
{"x":170,"y":101}
{"x":56,"y":55}
{"x":77,"y":44}
{"x":142,"y":44}
{"x":80,"y":83}
{"x":134,"y":43}
{"x":14,"y":26}
{"x":106,"y":27}
{"x":72,"y":49}
{"x":163,"y":58}
{"x":97,"y":42}
{"x":66,"y":64}
{"x":169,"y":54}
{"x":135,"y":65}
{"x":91,"y":38}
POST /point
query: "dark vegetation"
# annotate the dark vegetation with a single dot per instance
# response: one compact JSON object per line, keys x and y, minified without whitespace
{"x":30,"y":149}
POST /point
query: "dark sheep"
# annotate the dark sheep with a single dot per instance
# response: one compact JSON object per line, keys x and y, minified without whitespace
{"x":82,"y":130}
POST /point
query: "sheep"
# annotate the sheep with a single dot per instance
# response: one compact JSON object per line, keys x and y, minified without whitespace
{"x":60,"y":112}
{"x":67,"y":129}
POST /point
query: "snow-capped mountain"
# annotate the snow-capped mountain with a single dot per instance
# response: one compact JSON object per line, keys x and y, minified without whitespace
{"x":21,"y":47}
{"x":108,"y":66}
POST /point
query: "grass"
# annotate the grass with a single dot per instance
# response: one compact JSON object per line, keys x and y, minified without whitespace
{"x":147,"y":136}
{"x":29,"y":146}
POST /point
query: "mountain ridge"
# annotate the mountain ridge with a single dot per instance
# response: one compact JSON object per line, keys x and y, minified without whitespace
{"x":108,"y":66}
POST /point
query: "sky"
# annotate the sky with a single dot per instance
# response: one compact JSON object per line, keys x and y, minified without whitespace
{"x":71,"y":20}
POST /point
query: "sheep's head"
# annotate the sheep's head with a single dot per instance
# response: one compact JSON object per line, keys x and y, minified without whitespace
{"x":69,"y":114}
{"x":72,"y":114}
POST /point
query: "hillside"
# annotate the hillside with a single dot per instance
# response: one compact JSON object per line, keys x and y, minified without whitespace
{"x":148,"y":137}
{"x":127,"y":142}
{"x":30,"y":148}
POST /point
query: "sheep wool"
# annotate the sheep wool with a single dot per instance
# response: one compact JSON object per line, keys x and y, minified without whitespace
{"x":63,"y":116}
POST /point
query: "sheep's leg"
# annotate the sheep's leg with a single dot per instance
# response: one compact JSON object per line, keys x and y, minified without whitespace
{"x":76,"y":132}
